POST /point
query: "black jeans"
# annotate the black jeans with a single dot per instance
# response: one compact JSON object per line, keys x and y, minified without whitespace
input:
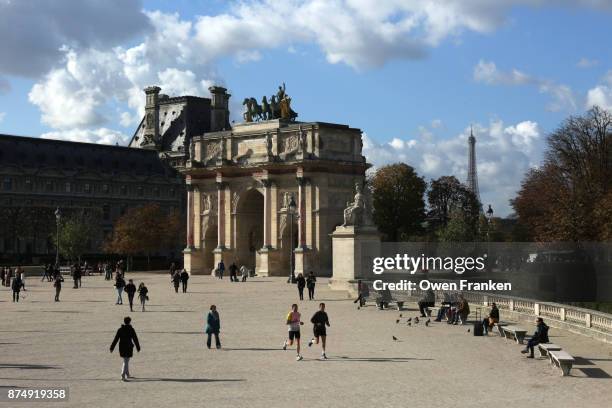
{"x":217,"y":342}
{"x":15,"y":296}
{"x":184,"y":286}
{"x":176,"y":286}
{"x":57,"y":293}
{"x":131,"y":300}
{"x":423,"y":306}
{"x":301,"y":292}
{"x":530,"y":345}
{"x":311,"y":292}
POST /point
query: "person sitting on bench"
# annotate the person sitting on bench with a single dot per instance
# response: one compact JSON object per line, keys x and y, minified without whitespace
{"x":428,"y":300}
{"x":493,"y":318}
{"x":462,"y":311}
{"x":447,"y":302}
{"x":540,"y":336}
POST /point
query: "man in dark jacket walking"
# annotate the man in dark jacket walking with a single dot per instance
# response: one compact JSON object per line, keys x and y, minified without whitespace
{"x":130,"y":289}
{"x":126,"y":336}
{"x":184,"y":279}
{"x":16,"y":287}
{"x":540,"y":336}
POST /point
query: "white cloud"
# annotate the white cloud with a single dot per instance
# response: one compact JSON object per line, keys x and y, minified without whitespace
{"x":601,"y":95}
{"x":562,"y":96}
{"x":587,"y":63}
{"x":2,"y":116}
{"x":503,"y":152}
{"x":101,"y":136}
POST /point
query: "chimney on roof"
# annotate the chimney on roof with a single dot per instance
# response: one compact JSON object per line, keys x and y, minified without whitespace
{"x":151,"y":122}
{"x":219,"y":114}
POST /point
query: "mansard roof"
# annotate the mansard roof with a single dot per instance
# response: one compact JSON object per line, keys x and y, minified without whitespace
{"x":64,"y":156}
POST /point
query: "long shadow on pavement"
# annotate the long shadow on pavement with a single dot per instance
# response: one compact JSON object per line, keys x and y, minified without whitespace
{"x":379,"y":359}
{"x":29,"y":366}
{"x":186,"y":380}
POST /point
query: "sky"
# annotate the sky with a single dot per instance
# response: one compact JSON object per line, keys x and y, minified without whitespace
{"x":414,"y":75}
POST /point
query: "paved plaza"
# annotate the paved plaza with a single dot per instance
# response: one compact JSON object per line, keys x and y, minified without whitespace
{"x":45,"y":344}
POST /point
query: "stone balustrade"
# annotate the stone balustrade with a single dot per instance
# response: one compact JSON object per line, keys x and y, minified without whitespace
{"x":579,"y":320}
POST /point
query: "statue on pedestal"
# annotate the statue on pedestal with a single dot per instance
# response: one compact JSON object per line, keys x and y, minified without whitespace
{"x":357,"y":212}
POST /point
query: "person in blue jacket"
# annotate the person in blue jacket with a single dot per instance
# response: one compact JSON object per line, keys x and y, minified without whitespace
{"x":213,"y":326}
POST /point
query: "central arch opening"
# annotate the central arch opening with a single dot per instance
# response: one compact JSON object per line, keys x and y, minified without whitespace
{"x":249,"y":228}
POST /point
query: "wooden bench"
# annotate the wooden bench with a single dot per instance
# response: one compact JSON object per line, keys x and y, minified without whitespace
{"x":562,"y":360}
{"x":514,"y":333}
{"x":544,"y":348}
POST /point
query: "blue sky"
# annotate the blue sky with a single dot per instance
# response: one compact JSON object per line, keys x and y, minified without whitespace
{"x":413,"y":75}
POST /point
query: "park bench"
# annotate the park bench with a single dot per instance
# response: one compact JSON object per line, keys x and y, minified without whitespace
{"x":382,"y":297}
{"x":562,"y":360}
{"x":514,"y":333}
{"x":545,"y":348}
{"x":500,"y":327}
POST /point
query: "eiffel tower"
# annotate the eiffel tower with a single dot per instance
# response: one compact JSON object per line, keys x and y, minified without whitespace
{"x":472,"y":177}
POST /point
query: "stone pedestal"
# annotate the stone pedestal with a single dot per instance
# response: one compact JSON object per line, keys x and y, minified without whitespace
{"x":265,"y":261}
{"x":353,"y":249}
{"x":193,"y":259}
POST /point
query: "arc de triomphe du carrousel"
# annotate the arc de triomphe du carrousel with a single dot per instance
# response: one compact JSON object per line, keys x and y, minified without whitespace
{"x":268,"y":188}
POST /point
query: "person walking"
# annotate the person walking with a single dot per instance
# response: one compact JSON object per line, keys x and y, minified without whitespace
{"x":213,"y":327}
{"x":126,"y":336}
{"x":176,"y":280}
{"x":293,"y":322}
{"x":184,"y":279}
{"x":301,"y":284}
{"x":45,"y":273}
{"x":119,"y":285}
{"x":233,"y":269}
{"x":76,"y":272}
{"x":22,"y":276}
{"x":244,"y":272}
{"x":320,"y":323}
{"x":311,"y":281}
{"x":220,"y":269}
{"x":143,"y":294}
{"x":172,"y":269}
{"x":108,"y":273}
{"x":16,"y":287}
{"x":57,"y":284}
{"x":130,"y":289}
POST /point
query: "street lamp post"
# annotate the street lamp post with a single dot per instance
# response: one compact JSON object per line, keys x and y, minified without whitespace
{"x":489,"y":215}
{"x":291,"y":213}
{"x":58,"y":216}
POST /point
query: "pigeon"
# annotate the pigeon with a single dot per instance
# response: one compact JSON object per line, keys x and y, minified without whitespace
{"x":358,"y":307}
{"x":416,"y":320}
{"x":409,"y":323}
{"x":468,"y":330}
{"x":397,"y":321}
{"x":394,"y":338}
{"x":401,"y":315}
{"x":409,"y":319}
{"x":427,"y":322}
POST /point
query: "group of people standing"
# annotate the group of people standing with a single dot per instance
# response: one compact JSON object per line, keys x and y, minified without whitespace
{"x":309,"y":282}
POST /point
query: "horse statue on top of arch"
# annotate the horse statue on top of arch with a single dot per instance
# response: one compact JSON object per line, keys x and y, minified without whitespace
{"x":278,"y":106}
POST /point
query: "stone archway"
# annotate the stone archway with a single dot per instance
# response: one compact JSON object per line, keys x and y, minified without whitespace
{"x":285,"y":247}
{"x":209,"y":243}
{"x":249,"y":228}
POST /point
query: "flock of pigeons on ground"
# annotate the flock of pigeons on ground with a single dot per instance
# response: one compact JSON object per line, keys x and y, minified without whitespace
{"x":413,"y":321}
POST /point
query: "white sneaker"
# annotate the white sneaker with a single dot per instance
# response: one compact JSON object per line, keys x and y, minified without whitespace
{"x":323,"y":356}
{"x":285,"y":345}
{"x":298,"y":358}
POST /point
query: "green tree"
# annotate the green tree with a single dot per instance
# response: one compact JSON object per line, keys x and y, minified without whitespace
{"x":397,"y":198}
{"x":75,"y":235}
